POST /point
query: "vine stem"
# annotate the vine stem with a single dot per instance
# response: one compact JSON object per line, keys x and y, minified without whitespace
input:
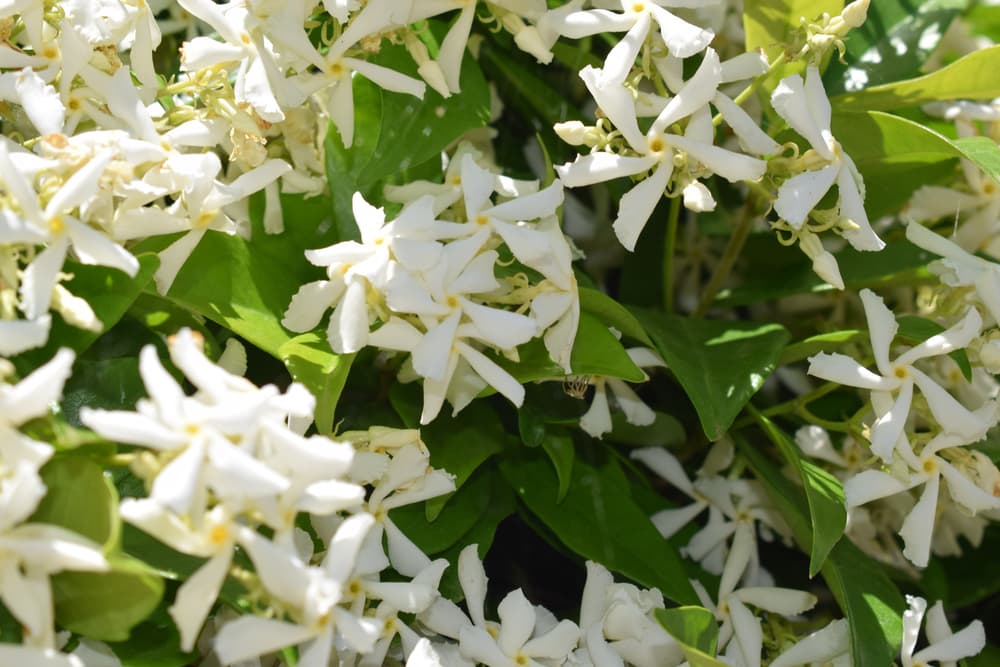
{"x":727,"y":262}
{"x":669,"y":247}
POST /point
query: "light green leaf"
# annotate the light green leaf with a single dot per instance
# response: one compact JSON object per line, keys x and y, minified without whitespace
{"x":80,"y":498}
{"x":824,"y":495}
{"x":106,"y":605}
{"x":310,"y":361}
{"x":770,"y":24}
{"x":870,"y":601}
{"x":598,"y":519}
{"x":892,"y":43}
{"x":984,"y":152}
{"x":696,"y":630}
{"x":720,"y":364}
{"x":975,"y":76}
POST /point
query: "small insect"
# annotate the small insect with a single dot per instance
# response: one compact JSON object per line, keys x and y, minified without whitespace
{"x":576,"y":385}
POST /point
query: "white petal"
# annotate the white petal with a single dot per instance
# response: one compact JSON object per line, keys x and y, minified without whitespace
{"x":32,"y":396}
{"x":840,"y":368}
{"x":821,"y":646}
{"x":517,"y":622}
{"x":696,"y":93}
{"x":683,"y":39}
{"x":636,"y":205}
{"x":801,"y":193}
{"x":918,"y":527}
{"x":965,"y":643}
{"x":887,"y":428}
{"x":497,"y":377}
{"x":250,"y":636}
{"x":196,"y":596}
{"x":784,"y":601}
{"x":600,"y":167}
{"x":39,"y":279}
{"x":348,"y":329}
{"x":954,"y":338}
{"x":309,"y":304}
{"x":92,"y":247}
{"x":871,"y":485}
{"x":430,"y":357}
{"x":472,"y":577}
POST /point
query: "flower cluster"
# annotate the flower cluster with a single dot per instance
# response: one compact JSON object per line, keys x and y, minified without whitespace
{"x":429,"y":281}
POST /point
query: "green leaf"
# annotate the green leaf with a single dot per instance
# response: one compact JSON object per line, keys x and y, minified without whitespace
{"x":109,"y":384}
{"x":825,"y":342}
{"x":892,"y":44}
{"x":598,"y":519}
{"x":665,"y":431}
{"x":461,"y":444}
{"x":79,"y":498}
{"x":916,"y":330}
{"x":720,"y":364}
{"x":106,"y":605}
{"x":561,"y":451}
{"x":109,"y":292}
{"x":770,"y":24}
{"x":967,"y":579}
{"x":246,"y":287}
{"x":988,"y":657}
{"x":984,"y":152}
{"x":100,"y":605}
{"x":870,"y":601}
{"x":613,"y":314}
{"x":899,"y":262}
{"x":595,"y":352}
{"x":697,"y":632}
{"x":309,"y":360}
{"x":414,"y":130}
{"x":974,"y":76}
{"x":153,"y":645}
{"x":824,"y":495}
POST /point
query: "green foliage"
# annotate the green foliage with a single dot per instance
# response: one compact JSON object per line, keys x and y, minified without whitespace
{"x":720,"y":364}
{"x":824,"y":496}
{"x":870,"y":601}
{"x":695,"y":630}
{"x":598,"y":519}
{"x":771,"y":23}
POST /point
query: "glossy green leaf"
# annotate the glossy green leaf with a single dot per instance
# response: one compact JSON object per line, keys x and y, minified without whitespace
{"x":974,"y":76}
{"x":824,"y":495}
{"x":697,"y":632}
{"x":870,"y":601}
{"x":153,"y":645}
{"x":561,"y":451}
{"x":598,"y":519}
{"x":110,"y":384}
{"x":613,"y":314}
{"x":915,"y":330}
{"x":109,"y":292}
{"x":414,"y":130}
{"x":461,"y":444}
{"x":892,"y":44}
{"x":769,"y":24}
{"x":720,"y":364}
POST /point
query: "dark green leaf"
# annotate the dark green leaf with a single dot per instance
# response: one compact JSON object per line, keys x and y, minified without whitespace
{"x":696,"y":630}
{"x":153,"y":645}
{"x":109,"y":292}
{"x":984,"y":152}
{"x":461,"y":444}
{"x":613,"y":314}
{"x":559,"y":446}
{"x":824,"y":495}
{"x":665,"y":431}
{"x":720,"y":364}
{"x":967,"y":579}
{"x":109,"y":384}
{"x":870,"y":601}
{"x":892,"y":44}
{"x":915,"y":330}
{"x":598,"y":519}
{"x":974,"y":76}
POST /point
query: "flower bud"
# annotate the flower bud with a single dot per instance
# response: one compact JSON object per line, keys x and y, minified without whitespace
{"x":855,"y":13}
{"x":573,"y":132}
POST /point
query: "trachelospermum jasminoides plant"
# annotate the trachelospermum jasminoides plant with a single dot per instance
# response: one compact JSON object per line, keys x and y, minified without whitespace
{"x":249,"y":250}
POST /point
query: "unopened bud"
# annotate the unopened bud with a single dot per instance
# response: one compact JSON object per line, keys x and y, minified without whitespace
{"x":989,"y":355}
{"x":824,"y":264}
{"x":573,"y":132}
{"x":855,"y":13}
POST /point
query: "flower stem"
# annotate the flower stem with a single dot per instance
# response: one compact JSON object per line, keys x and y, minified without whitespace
{"x":669,"y":246}
{"x":726,"y":263}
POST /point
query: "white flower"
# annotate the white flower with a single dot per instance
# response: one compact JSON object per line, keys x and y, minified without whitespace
{"x":657,"y":148}
{"x":946,"y":647}
{"x":894,"y":385}
{"x":804,"y":105}
{"x":597,"y":420}
{"x":831,"y":644}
